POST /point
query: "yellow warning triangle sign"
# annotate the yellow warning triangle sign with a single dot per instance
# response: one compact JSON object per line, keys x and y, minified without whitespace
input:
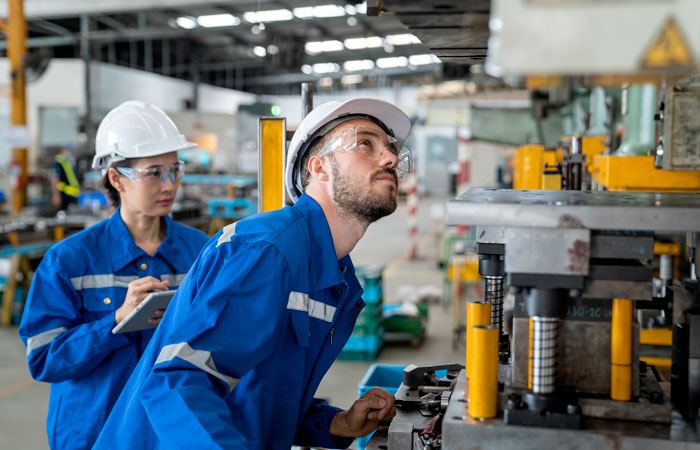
{"x":668,"y":49}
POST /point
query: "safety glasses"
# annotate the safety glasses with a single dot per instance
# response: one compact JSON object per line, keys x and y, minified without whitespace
{"x":155,"y":174}
{"x":373,"y":143}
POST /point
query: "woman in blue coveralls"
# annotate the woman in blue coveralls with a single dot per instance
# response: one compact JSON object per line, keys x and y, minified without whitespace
{"x":91,"y":281}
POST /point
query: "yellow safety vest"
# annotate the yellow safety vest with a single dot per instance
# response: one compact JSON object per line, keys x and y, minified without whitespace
{"x":73,"y":187}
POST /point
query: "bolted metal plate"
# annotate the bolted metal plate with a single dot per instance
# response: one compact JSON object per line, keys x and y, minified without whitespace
{"x":547,"y":251}
{"x":462,"y":432}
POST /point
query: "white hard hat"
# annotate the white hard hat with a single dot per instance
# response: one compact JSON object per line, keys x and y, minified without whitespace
{"x":136,"y":129}
{"x":389,"y":116}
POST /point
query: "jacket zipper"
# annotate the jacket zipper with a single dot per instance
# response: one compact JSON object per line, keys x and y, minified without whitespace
{"x":332,"y":330}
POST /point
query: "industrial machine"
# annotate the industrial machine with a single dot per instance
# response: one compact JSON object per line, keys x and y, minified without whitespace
{"x":570,"y":375}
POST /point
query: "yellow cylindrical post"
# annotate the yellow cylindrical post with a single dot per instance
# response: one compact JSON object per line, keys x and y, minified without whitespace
{"x":16,"y":33}
{"x":271,"y":156}
{"x":621,"y":350}
{"x":478,"y":313}
{"x":483,"y":385}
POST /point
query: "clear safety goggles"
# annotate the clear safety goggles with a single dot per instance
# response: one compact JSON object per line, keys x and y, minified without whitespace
{"x":373,"y":143}
{"x":155,"y":174}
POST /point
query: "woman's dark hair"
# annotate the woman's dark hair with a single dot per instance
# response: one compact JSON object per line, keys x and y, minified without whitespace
{"x":112,"y":193}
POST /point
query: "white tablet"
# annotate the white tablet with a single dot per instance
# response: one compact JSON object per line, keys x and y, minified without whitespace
{"x":138,"y":318}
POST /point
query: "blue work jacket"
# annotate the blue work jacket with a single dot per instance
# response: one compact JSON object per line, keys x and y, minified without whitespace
{"x":69,"y":315}
{"x":246,"y":340}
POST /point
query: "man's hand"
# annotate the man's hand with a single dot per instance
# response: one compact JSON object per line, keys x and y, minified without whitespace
{"x":363,"y":417}
{"x":139,"y":290}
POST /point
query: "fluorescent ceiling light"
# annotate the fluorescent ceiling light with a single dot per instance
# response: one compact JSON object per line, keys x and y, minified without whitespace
{"x":402,"y":39}
{"x":186,"y":22}
{"x":359,"y":64}
{"x":218,"y":20}
{"x":350,"y":10}
{"x":418,"y":60}
{"x":307,"y":69}
{"x":360,"y":43}
{"x":259,"y":51}
{"x":271,"y":15}
{"x":316,"y":47}
{"x":351,"y":79}
{"x":307,"y":12}
{"x":361,"y":8}
{"x":397,"y":61}
{"x":326,"y":67}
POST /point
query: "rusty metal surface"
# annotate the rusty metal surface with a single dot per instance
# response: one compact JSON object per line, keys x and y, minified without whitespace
{"x":537,"y":250}
{"x":634,"y":211}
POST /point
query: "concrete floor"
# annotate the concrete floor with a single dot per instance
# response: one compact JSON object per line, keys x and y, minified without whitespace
{"x":23,"y":402}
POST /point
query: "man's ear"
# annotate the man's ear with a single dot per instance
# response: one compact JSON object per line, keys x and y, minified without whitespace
{"x":317,"y":168}
{"x":114,"y":178}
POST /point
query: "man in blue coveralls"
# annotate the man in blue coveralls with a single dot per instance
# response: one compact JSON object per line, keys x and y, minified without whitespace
{"x":270,"y":302}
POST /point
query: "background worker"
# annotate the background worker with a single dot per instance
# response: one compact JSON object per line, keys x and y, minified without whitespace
{"x":77,"y":294}
{"x":65,"y":187}
{"x":270,"y":302}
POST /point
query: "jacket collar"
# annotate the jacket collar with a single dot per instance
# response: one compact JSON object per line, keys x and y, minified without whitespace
{"x":124,"y":250}
{"x":326,"y":268}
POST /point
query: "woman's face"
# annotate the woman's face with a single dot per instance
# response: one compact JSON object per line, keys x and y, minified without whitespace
{"x":147,"y":194}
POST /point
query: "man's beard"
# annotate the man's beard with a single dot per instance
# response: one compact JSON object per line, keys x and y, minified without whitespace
{"x":358,"y":199}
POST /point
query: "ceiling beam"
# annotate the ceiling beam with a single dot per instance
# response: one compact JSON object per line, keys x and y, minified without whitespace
{"x":290,"y":78}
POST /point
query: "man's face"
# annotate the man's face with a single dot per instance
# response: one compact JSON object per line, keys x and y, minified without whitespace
{"x":363,"y":185}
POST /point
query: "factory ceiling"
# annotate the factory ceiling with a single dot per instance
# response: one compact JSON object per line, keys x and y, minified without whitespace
{"x":267,"y":46}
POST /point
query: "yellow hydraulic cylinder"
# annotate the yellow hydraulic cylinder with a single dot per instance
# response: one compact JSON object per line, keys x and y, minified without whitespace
{"x":621,"y":350}
{"x":483,"y":385}
{"x":478,"y":313}
{"x":271,"y":156}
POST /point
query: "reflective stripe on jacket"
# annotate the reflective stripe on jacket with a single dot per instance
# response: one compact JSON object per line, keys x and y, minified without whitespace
{"x":73,"y":187}
{"x":67,"y":321}
{"x":247,"y":339}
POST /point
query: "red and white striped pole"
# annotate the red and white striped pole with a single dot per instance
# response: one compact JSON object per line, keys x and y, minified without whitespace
{"x":412,"y":202}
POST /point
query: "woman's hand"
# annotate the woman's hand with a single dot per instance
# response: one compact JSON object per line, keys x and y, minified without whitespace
{"x":137,"y":291}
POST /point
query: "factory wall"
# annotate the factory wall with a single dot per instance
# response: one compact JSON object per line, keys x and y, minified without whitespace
{"x":63,"y":85}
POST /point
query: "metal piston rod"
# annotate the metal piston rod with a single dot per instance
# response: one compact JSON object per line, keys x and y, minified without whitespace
{"x":493,"y":293}
{"x":544,"y":352}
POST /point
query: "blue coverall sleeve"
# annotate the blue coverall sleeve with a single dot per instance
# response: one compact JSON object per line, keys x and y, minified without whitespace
{"x":314,"y":428}
{"x":60,"y":344}
{"x":226,"y":321}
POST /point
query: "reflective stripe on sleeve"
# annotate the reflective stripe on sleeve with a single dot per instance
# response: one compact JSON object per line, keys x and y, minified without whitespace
{"x":317,"y":310}
{"x":229,"y":231}
{"x":198,"y":358}
{"x":42,"y":339}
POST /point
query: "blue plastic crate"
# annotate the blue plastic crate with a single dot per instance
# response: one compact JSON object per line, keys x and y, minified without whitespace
{"x":387,"y":377}
{"x":372,"y":294}
{"x":363,"y":348}
{"x":231,"y":208}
